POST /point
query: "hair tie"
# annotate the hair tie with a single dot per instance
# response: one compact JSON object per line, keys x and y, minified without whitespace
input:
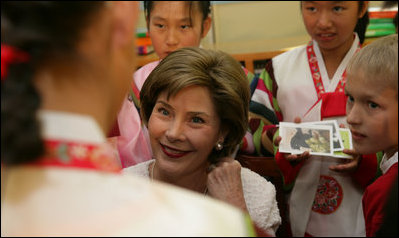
{"x":11,"y":55}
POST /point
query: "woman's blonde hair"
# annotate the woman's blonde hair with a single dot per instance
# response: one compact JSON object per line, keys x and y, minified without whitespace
{"x":221,"y":74}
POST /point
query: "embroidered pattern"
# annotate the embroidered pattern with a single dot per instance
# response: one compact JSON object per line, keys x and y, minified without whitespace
{"x":82,"y":155}
{"x":315,"y":71}
{"x":328,"y":197}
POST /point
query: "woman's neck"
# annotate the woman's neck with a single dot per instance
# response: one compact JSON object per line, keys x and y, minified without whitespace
{"x":195,"y":181}
{"x":333,"y":57}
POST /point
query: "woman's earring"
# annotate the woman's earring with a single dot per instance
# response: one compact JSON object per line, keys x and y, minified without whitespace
{"x":219,"y":146}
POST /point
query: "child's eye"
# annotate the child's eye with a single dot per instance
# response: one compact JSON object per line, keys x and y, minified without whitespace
{"x":338,"y":8}
{"x":184,"y":26}
{"x":197,"y":120}
{"x":311,"y":9}
{"x":373,"y":105}
{"x":160,"y":26}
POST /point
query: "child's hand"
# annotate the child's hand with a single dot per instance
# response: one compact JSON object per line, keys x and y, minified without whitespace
{"x":348,"y":165}
{"x":297,"y":158}
{"x":294,"y":159}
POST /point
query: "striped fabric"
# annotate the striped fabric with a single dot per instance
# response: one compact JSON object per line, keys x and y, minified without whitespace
{"x":264,"y":106}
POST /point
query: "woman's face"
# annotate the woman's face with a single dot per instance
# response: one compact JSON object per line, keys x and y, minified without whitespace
{"x":183,"y":131}
{"x":170,"y":28}
{"x":331,"y":23}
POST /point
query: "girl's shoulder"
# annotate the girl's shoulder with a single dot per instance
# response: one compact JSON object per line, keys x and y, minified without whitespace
{"x":292,"y":59}
{"x":290,"y":54}
{"x":142,"y":73}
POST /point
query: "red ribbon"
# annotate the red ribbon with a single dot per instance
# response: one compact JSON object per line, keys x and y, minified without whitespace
{"x":11,"y":55}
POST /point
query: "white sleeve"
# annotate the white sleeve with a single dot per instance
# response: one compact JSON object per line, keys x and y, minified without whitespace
{"x":260,"y":198}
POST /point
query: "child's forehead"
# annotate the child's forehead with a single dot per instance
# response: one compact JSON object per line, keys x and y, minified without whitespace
{"x":360,"y":87}
{"x":184,"y":6}
{"x":370,"y":78}
{"x":180,"y":10}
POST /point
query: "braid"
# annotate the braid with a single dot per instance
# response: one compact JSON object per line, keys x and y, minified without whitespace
{"x":42,"y":29}
{"x":361,"y":27}
{"x":20,"y":132}
{"x":362,"y":23}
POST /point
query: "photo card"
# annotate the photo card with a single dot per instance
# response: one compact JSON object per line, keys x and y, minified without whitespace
{"x":337,"y":140}
{"x":346,"y":136}
{"x":297,"y":138}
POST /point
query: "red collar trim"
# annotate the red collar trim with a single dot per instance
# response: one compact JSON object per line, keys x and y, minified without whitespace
{"x":61,"y":153}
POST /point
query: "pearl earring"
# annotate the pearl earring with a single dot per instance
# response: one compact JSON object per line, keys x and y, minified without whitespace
{"x":219,"y":146}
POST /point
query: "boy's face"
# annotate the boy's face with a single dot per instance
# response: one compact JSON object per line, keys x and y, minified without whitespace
{"x":372,"y":114}
{"x":170,"y":28}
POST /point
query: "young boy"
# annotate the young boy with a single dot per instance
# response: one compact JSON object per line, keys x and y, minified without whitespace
{"x":372,"y":115}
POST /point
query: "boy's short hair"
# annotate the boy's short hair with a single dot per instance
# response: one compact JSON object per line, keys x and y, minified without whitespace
{"x":378,"y":61}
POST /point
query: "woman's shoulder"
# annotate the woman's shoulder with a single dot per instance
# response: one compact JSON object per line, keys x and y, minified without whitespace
{"x":140,"y":169}
{"x":260,"y":197}
{"x":252,"y":181}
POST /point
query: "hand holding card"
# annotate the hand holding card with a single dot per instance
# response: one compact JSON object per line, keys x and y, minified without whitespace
{"x":323,"y":138}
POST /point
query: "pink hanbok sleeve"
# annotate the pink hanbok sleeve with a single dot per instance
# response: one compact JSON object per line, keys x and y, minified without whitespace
{"x":133,"y":142}
{"x":141,"y":74}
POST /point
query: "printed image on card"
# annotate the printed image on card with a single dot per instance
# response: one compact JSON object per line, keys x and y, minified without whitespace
{"x":337,"y":140}
{"x":298,"y":138}
{"x":346,"y":141}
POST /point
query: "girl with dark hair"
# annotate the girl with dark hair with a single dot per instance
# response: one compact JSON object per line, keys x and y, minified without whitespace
{"x":307,"y":84}
{"x":65,"y":68}
{"x":171,"y":25}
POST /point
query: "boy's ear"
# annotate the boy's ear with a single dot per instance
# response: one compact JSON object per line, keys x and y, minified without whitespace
{"x":124,"y":15}
{"x":206,"y":25}
{"x":364,"y":9}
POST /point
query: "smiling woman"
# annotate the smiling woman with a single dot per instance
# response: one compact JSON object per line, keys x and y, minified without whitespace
{"x":195,"y":104}
{"x":66,"y":67}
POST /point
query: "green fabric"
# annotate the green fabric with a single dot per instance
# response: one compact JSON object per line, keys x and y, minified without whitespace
{"x":267,"y":80}
{"x":275,"y":147}
{"x":136,"y":100}
{"x":275,"y":105}
{"x":379,"y":158}
{"x":257,"y":138}
{"x":250,"y":77}
{"x":250,"y":226}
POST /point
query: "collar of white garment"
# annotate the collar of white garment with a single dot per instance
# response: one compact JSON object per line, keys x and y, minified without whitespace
{"x":386,"y":163}
{"x":70,"y":126}
{"x":330,"y":86}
